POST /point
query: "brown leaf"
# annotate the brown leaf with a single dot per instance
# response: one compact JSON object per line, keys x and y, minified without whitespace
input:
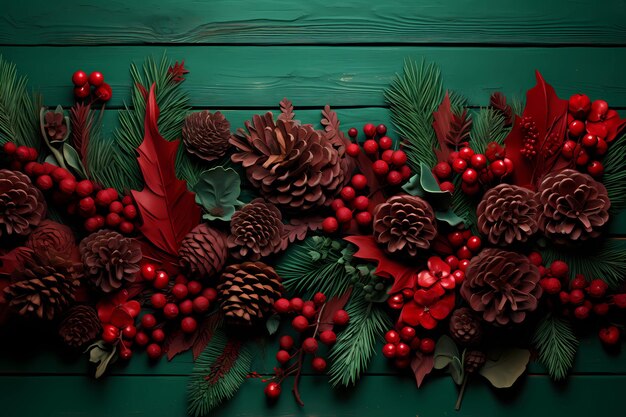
{"x":297,"y":229}
{"x":178,"y":342}
{"x":331,"y":307}
{"x":286,"y":111}
{"x":206,"y":330}
{"x":460,"y":130}
{"x":498,"y":102}
{"x":422,"y":365}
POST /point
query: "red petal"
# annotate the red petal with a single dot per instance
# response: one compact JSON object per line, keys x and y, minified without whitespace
{"x":426,"y":279}
{"x":447,"y":283}
{"x":437,"y":265}
{"x":411,"y":314}
{"x":121,"y":318}
{"x":428,"y":322}
{"x":443,"y":307}
{"x":133,"y":307}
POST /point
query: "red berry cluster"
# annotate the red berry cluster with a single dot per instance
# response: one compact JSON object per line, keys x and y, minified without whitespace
{"x":308,"y":323}
{"x":587,"y":146}
{"x":182,"y":303}
{"x":83,"y":84}
{"x":402,"y":343}
{"x":466,"y":246}
{"x":99,"y":207}
{"x":474,"y":168}
{"x":353,"y":204}
{"x":117,"y":315}
{"x":387,"y":164}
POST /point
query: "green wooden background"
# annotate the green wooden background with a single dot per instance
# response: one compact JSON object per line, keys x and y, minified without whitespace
{"x":246,"y":55}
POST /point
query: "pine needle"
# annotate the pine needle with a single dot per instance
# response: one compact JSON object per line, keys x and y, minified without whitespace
{"x":556,"y":342}
{"x":356,"y":344}
{"x":218,"y":373}
{"x":489,"y":126}
{"x":615,"y":175}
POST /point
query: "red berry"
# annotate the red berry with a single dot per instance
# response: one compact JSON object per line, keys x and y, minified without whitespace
{"x":459,"y":165}
{"x":141,"y":338}
{"x":353,"y":132}
{"x":535,"y":258}
{"x":91,"y":224}
{"x":597,"y":288}
{"x":103,"y":198}
{"x":158,"y":335}
{"x":170,"y":310}
{"x":154,"y":351}
{"x":148,"y":272}
{"x":581,"y":312}
{"x":369,"y":129}
{"x":341,"y":318}
{"x":84,"y":188}
{"x":385,"y":143}
{"x":104,"y":92}
{"x":601,"y":309}
{"x":601,"y":147}
{"x":559,"y":269}
{"x":116,"y":207}
{"x":389,"y":351}
{"x":319,"y":298}
{"x":337,"y":204}
{"x":344,"y":215}
{"x":394,"y":178}
{"x":318,"y":364}
{"x":386,"y":156}
{"x":353,"y":150}
{"x":22,"y":154}
{"x":589,"y":141}
{"x":619,"y":300}
{"x":576,"y":128}
{"x":361,"y":203}
{"x":551,"y":285}
{"x":595,"y":169}
{"x":359,"y":181}
{"x":60,"y":174}
{"x":100,"y":220}
{"x":185,"y":307}
{"x":44,"y":182}
{"x":398,"y":158}
{"x":478,"y":161}
{"x":582,"y":158}
{"x":110,"y":333}
{"x":427,"y":345}
{"x":80,"y":78}
{"x":113,"y":219}
{"x":381,"y":129}
{"x":403,"y":350}
{"x":599,"y":108}
{"x":456,"y":239}
{"x":125,"y":353}
{"x":392,"y":337}
{"x":578,"y":283}
{"x":459,"y":276}
{"x":447,"y":186}
{"x":9,"y":148}
{"x":300,"y":323}
{"x":380,"y":167}
{"x":96,"y":79}
{"x":310,"y":345}
{"x":161,"y":280}
{"x":188,"y":325}
{"x":308,"y":311}
{"x":281,"y":306}
{"x":576,"y":296}
{"x":464,"y":253}
{"x":180,"y":291}
{"x":363,"y":218}
{"x":282,"y":357}
{"x":470,"y":176}
{"x":442,"y":170}
{"x":453,"y":262}
{"x":210,"y":294}
{"x":286,"y":342}
{"x":194,"y":287}
{"x":474,"y":243}
{"x":579,"y":105}
{"x":407,"y":333}
{"x":347,"y":193}
{"x":370,"y":147}
{"x":130,"y":212}
{"x":67,"y":185}
{"x":328,"y":337}
{"x":609,"y":335}
{"x":405,"y":170}
{"x":466,"y":154}
{"x":201,"y":304}
{"x":158,"y":300}
{"x":148,"y":321}
{"x":82,"y":91}
{"x":497,"y":168}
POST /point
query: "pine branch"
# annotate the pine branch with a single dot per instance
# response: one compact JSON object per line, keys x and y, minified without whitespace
{"x":556,"y":342}
{"x":489,"y":126}
{"x":217,"y":375}
{"x":356,"y":345}
{"x":464,"y":205}
{"x":615,"y":175}
{"x":82,"y":121}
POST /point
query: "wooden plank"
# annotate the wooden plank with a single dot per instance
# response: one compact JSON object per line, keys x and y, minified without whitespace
{"x":311,"y":21}
{"x":57,"y":396}
{"x":249,"y":76}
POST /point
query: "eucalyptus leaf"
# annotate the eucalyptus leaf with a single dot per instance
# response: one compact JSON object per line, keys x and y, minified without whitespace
{"x":72,"y":159}
{"x":504,"y":368}
{"x":218,"y":191}
{"x":445,"y":351}
{"x":272,"y":324}
{"x":102,"y":367}
{"x":51,"y":160}
{"x":456,"y":370}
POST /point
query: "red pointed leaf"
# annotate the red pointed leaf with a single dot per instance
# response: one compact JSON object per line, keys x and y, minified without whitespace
{"x":121,"y":318}
{"x":178,"y":342}
{"x":331,"y":307}
{"x":206,"y":330}
{"x":422,"y":365}
{"x":442,"y":123}
{"x":168,"y":210}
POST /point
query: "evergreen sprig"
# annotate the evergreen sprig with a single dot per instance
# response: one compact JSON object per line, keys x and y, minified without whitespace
{"x":19,"y":110}
{"x":218,"y":373}
{"x":615,"y":175}
{"x":489,"y":126}
{"x":556,"y":343}
{"x":356,"y":344}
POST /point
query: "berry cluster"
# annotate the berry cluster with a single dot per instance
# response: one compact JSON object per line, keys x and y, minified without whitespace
{"x":353,"y":205}
{"x":309,"y":323}
{"x":588,"y":134}
{"x":117,"y":315}
{"x":83,"y":84}
{"x":402,"y":343}
{"x":99,"y":207}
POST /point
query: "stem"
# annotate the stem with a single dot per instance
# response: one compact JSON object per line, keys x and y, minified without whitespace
{"x":296,"y":381}
{"x":459,"y":400}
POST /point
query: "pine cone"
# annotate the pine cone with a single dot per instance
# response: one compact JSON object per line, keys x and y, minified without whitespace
{"x":203,"y":252}
{"x":44,"y":288}
{"x":474,"y":360}
{"x":575,"y":206}
{"x":110,"y":259}
{"x":294,"y":166}
{"x":52,"y":238}
{"x":247,"y":292}
{"x":404,"y":224}
{"x":501,"y":285}
{"x":256,"y":231}
{"x":22,"y":206}
{"x":80,"y":326}
{"x":206,"y":135}
{"x":465,"y":328}
{"x":507,"y":214}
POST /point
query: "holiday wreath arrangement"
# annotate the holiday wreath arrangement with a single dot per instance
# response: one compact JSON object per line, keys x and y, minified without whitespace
{"x":473,"y":243}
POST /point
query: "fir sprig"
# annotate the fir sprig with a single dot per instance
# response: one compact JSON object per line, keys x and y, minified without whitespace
{"x":615,"y":175}
{"x":556,"y":343}
{"x":489,"y":126}
{"x":218,"y":373}
{"x":356,"y":344}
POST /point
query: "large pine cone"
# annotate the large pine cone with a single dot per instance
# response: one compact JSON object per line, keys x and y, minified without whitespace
{"x":247,"y":292}
{"x":256,"y":231}
{"x":203,"y":251}
{"x":575,"y":206}
{"x":294,"y":166}
{"x":44,"y":288}
{"x":80,"y":326}
{"x":465,"y":327}
{"x":52,"y":238}
{"x":206,"y":135}
{"x":501,"y":285}
{"x":22,"y":206}
{"x":507,"y":214}
{"x":404,"y":224}
{"x":110,"y":259}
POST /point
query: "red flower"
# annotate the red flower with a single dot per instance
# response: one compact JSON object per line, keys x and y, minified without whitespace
{"x":606,"y":128}
{"x":117,"y":310}
{"x":438,"y":272}
{"x":428,"y":307}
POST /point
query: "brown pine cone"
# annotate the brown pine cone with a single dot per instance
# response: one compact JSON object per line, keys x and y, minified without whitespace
{"x":507,"y":214}
{"x":206,"y":135}
{"x":44,"y":288}
{"x":465,"y":328}
{"x":247,"y":292}
{"x":575,"y":206}
{"x":294,"y":166}
{"x":80,"y":326}
{"x":203,"y":252}
{"x":22,"y":206}
{"x":110,"y":259}
{"x":53,"y":238}
{"x":474,"y":360}
{"x":404,"y":224}
{"x":256,"y":231}
{"x":501,"y":285}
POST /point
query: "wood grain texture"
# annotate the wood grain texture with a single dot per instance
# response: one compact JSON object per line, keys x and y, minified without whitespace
{"x":312,"y":21}
{"x":249,"y":76}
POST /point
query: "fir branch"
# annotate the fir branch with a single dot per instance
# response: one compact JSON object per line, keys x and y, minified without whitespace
{"x":464,"y":205}
{"x":615,"y":175}
{"x":19,"y":111}
{"x":517,"y":104}
{"x":356,"y":344}
{"x":489,"y":126}
{"x":82,"y":122}
{"x":217,"y":375}
{"x":605,"y":260}
{"x":556,"y":342}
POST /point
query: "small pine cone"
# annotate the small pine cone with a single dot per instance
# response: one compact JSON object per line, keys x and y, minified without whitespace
{"x":51,"y":237}
{"x":206,"y":135}
{"x":80,"y":326}
{"x":22,"y":206}
{"x":256,"y":231}
{"x":404,"y":224}
{"x":110,"y":259}
{"x":247,"y":292}
{"x":474,"y":360}
{"x":465,"y":327}
{"x":203,"y":251}
{"x":44,"y":288}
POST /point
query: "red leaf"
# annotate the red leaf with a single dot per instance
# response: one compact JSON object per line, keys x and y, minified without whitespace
{"x":442,"y":123}
{"x":178,"y":342}
{"x":121,"y":318}
{"x":82,"y":120}
{"x":206,"y":330}
{"x":331,"y":307}
{"x":422,"y":365}
{"x":498,"y":102}
{"x":168,"y":210}
{"x":14,"y":260}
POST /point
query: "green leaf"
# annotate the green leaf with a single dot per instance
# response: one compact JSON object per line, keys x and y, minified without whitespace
{"x":51,"y":160}
{"x":503,"y":368}
{"x":556,"y":343}
{"x":449,"y":217}
{"x":217,"y":190}
{"x":425,"y":185}
{"x":100,"y":354}
{"x":456,"y":370}
{"x":445,"y":351}
{"x":614,"y":178}
{"x":72,"y":159}
{"x":272,"y":324}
